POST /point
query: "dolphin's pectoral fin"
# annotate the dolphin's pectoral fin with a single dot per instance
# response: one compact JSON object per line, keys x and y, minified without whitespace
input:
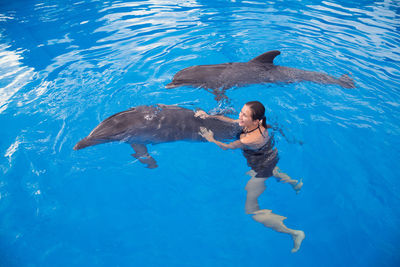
{"x":219,"y":94}
{"x":141,"y":150}
{"x":143,"y":156}
{"x":267,"y":57}
{"x":150,"y":161}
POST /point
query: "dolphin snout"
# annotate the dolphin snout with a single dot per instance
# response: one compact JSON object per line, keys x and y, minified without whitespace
{"x":171,"y":85}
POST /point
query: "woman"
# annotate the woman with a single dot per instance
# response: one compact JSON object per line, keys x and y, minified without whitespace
{"x":262,"y":157}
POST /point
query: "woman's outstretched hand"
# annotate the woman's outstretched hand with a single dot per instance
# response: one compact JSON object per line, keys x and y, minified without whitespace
{"x":201,"y":114}
{"x":207,"y":134}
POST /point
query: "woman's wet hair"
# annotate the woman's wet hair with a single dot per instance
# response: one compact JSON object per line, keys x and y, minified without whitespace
{"x":258,"y":112}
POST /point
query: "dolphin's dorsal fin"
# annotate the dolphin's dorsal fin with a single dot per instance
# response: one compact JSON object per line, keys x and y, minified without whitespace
{"x":267,"y":57}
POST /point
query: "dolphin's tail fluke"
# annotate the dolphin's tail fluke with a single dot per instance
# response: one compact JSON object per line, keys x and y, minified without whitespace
{"x":346,"y":81}
{"x":85,"y":142}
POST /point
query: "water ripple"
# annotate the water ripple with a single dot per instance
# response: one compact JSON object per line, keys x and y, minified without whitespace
{"x":13,"y":75}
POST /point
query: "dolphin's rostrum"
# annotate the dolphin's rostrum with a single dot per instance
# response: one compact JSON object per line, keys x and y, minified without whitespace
{"x":258,"y":70}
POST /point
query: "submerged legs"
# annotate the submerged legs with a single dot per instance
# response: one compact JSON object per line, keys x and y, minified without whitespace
{"x":255,"y":187}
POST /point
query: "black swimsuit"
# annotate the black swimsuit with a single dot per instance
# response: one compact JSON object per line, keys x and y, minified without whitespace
{"x":262,"y":160}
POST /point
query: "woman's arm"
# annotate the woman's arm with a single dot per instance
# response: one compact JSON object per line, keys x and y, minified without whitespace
{"x":224,"y":146}
{"x":209,"y":136}
{"x":202,"y":114}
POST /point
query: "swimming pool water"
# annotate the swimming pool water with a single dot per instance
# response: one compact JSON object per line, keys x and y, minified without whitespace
{"x":67,"y":65}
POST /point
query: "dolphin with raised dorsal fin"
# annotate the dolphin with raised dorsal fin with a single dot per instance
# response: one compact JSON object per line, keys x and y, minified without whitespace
{"x":145,"y":125}
{"x":260,"y":69}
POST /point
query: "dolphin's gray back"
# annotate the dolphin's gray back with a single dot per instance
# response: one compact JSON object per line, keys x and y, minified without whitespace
{"x":223,"y":76}
{"x":157,"y":124}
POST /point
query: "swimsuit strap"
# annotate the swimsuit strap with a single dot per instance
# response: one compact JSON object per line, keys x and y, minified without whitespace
{"x":260,"y":131}
{"x":258,"y":127}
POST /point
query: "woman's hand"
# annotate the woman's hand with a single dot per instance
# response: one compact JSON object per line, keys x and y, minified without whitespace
{"x":207,"y":134}
{"x":201,"y":114}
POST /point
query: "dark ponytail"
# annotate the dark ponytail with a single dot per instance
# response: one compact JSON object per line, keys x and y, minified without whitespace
{"x":258,"y":112}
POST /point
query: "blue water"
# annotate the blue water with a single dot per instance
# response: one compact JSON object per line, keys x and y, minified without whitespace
{"x":67,"y":65}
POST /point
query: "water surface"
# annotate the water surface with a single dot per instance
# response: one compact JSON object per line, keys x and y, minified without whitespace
{"x":65,"y":66}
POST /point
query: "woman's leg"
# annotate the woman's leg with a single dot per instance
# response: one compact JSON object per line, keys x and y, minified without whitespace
{"x":255,"y":187}
{"x":275,"y":222}
{"x":283,"y":177}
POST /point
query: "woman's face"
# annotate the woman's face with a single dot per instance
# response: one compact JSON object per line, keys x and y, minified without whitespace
{"x":245,"y":118}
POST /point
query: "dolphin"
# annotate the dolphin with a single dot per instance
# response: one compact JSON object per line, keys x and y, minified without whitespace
{"x":260,"y":69}
{"x":143,"y":125}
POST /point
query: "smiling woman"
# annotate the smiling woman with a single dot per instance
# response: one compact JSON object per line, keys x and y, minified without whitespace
{"x":258,"y":149}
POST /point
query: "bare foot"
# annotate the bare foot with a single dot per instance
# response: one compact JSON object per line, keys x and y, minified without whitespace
{"x":251,"y":173}
{"x":298,"y":237}
{"x":298,"y":186}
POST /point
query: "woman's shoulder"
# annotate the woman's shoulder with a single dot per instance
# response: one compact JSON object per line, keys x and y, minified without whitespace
{"x":254,"y":141}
